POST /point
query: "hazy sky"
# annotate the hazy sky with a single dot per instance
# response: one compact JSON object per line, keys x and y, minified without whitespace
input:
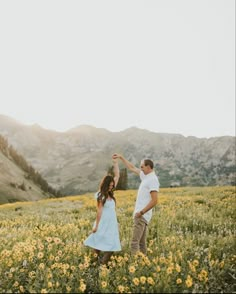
{"x":166,"y":66}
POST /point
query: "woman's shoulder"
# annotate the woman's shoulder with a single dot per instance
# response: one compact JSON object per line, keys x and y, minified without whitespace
{"x":96,"y":195}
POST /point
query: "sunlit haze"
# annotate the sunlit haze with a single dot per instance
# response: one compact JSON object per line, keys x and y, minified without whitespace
{"x":164,"y":66}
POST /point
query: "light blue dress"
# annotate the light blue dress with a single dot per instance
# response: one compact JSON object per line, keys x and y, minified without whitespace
{"x":106,"y":238}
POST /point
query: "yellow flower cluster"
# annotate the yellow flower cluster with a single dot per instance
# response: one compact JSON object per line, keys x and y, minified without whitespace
{"x":37,"y":243}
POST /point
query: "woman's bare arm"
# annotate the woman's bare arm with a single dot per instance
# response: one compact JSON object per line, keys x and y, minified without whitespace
{"x":99,"y":214}
{"x":116,"y":171}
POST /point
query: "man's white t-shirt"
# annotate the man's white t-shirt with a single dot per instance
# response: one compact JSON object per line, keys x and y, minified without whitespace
{"x":148,"y":183}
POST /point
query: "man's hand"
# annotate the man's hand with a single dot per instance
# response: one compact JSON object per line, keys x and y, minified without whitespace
{"x":116,"y":156}
{"x":127,"y":163}
{"x":138,"y":214}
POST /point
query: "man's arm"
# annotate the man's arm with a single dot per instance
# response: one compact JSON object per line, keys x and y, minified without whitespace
{"x":127,"y":163}
{"x":150,"y":205}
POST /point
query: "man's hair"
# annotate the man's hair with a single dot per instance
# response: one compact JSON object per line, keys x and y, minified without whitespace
{"x":148,"y":162}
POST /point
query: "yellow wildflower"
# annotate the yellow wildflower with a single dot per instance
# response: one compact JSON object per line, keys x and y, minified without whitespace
{"x":178,"y":281}
{"x":72,"y":268}
{"x":82,"y":287}
{"x":68,"y":288}
{"x":121,"y":289}
{"x":16,"y":284}
{"x":41,"y":265}
{"x":143,"y":279}
{"x":151,"y":242}
{"x":103,"y":284}
{"x":40,"y":255}
{"x":178,"y":268}
{"x":212,"y":262}
{"x":189,"y":281}
{"x":204,"y":273}
{"x":41,"y":246}
{"x":136,"y":281}
{"x":162,"y":259}
{"x":81,"y":266}
{"x":222,"y":263}
{"x":150,"y":281}
{"x":32,"y":274}
{"x":57,"y":240}
{"x":193,"y":269}
{"x":49,"y":239}
{"x":119,"y":259}
{"x":66,"y":266}
{"x":132,"y":269}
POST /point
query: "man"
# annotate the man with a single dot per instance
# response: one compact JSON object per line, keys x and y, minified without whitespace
{"x":146,"y":200}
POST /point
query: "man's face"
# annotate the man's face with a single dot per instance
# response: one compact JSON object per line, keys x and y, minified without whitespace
{"x":144,"y":168}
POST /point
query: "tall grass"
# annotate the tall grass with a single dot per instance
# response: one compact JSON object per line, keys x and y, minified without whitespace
{"x":191,"y":245}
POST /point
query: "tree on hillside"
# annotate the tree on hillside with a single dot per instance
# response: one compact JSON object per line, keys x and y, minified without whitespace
{"x":19,"y":160}
{"x":3,"y":145}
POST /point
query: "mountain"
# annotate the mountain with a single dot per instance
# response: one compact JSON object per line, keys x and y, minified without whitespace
{"x":18,"y":180}
{"x":76,"y":160}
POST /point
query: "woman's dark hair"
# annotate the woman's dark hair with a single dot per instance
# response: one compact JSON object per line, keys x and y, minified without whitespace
{"x":104,"y":192}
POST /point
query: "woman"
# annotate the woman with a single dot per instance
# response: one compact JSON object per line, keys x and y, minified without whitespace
{"x":105,"y":234}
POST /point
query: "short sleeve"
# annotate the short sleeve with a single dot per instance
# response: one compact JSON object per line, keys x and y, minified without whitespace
{"x":154,"y":185}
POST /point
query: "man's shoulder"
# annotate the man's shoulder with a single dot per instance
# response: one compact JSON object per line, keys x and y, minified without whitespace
{"x":153,"y":178}
{"x":153,"y":175}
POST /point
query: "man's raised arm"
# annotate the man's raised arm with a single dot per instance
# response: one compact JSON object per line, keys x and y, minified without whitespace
{"x":127,"y":163}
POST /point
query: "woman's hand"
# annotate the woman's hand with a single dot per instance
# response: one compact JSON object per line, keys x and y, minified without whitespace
{"x":95,"y":230}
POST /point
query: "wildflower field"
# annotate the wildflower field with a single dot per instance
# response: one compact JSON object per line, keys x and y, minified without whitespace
{"x":191,"y":245}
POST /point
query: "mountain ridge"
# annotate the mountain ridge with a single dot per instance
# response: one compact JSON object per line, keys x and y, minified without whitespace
{"x":74,"y":162}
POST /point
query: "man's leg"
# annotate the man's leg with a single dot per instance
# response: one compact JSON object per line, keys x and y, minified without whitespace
{"x":143,"y":244}
{"x":138,"y":230}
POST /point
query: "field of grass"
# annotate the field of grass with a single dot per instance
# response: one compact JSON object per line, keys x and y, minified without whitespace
{"x":191,"y":245}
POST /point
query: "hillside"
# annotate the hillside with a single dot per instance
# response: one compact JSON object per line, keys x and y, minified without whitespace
{"x":16,"y":178}
{"x":76,"y":160}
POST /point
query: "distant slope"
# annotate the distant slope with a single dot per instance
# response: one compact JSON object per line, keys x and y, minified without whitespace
{"x":76,"y":160}
{"x":16,"y":184}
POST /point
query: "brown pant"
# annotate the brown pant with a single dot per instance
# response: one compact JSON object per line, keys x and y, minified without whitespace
{"x":140,"y":229}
